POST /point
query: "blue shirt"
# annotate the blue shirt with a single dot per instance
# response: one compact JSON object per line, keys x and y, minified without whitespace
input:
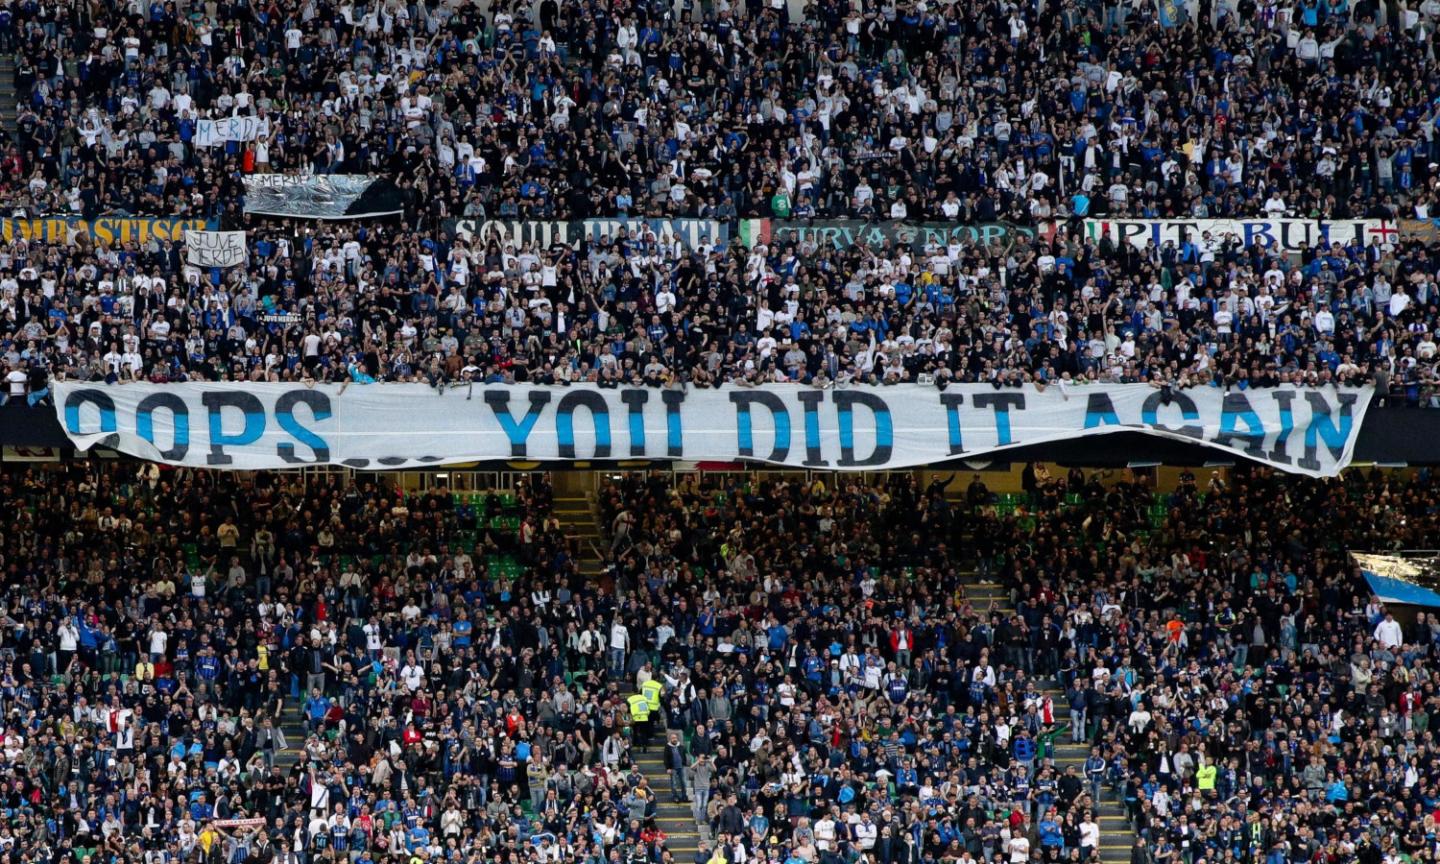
{"x":1050,"y":833}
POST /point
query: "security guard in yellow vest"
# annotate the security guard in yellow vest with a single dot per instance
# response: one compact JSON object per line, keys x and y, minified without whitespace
{"x":652,"y":690}
{"x":1205,"y":778}
{"x":639,"y":720}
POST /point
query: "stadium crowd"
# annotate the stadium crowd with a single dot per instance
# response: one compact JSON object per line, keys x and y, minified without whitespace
{"x":1040,"y":114}
{"x":832,"y":692}
{"x":1256,"y":700}
{"x":205,"y":667}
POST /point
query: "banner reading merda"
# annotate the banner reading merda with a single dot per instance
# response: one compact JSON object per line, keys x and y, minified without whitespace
{"x":109,"y":230}
{"x":690,"y":233}
{"x":844,"y":233}
{"x":1281,"y":235}
{"x":322,"y":196}
{"x":214,"y":248}
{"x":259,"y":426}
{"x":213,"y":133}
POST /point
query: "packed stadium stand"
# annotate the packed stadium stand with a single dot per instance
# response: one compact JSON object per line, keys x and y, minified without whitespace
{"x":271,"y":596}
{"x":205,"y":666}
{"x":1049,"y":123}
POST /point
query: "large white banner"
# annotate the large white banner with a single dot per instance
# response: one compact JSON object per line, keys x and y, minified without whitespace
{"x":692,"y":233}
{"x":1282,"y":235}
{"x":213,"y":133}
{"x":322,"y":196}
{"x":377,"y":426}
{"x":214,"y":248}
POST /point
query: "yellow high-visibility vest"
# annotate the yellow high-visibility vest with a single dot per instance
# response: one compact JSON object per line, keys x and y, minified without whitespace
{"x":1205,"y":777}
{"x":639,"y":708}
{"x":652,"y":690}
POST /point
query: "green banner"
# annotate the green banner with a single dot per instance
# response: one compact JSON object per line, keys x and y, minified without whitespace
{"x":845,"y":233}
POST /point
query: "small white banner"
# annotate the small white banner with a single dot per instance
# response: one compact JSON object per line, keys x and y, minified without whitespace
{"x":237,"y":823}
{"x":1278,"y":235}
{"x":214,"y":248}
{"x":213,"y":133}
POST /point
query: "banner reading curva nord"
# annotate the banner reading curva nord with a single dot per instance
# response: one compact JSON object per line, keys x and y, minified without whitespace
{"x":845,"y":233}
{"x":260,"y":426}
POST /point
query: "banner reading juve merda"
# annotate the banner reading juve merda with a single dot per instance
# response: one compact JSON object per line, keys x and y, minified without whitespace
{"x":379,"y":426}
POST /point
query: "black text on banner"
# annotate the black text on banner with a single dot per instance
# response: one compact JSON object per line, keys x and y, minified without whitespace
{"x":263,"y":426}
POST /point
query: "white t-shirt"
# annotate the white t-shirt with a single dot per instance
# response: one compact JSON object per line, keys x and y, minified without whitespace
{"x":1388,"y":633}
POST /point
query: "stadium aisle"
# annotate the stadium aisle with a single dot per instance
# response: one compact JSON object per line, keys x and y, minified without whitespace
{"x":1116,"y":836}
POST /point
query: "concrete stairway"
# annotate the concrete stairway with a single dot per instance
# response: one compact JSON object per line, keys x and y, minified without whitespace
{"x":683,"y":834}
{"x":9,"y":99}
{"x":578,"y":518}
{"x":1116,"y":836}
{"x":292,"y":723}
